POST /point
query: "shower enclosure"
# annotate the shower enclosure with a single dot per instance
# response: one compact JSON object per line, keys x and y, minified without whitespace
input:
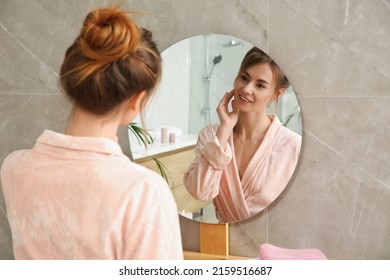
{"x":206,"y":80}
{"x":215,"y":60}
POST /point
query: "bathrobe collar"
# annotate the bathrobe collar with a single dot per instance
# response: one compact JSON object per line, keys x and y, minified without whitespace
{"x":261,"y":155}
{"x":77,"y":143}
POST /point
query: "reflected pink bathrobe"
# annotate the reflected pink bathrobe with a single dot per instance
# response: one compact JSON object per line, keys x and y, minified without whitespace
{"x":213,"y":175}
{"x":82,"y":198}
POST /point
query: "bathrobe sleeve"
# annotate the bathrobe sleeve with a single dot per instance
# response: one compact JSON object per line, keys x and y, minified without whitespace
{"x":203,"y":177}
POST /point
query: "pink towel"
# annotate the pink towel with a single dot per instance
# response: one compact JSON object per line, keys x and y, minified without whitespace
{"x":272,"y":252}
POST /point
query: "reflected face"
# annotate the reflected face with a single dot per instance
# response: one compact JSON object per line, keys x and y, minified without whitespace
{"x":254,"y":88}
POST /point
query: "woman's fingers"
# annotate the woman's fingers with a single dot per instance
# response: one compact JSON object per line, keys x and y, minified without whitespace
{"x":229,"y":96}
{"x":226,"y":99}
{"x":223,"y":104}
{"x":227,"y":119}
{"x":234,"y":106}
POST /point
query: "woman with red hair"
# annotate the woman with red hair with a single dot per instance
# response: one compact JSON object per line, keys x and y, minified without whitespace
{"x":75,"y":195}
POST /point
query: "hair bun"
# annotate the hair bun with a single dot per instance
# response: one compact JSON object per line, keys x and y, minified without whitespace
{"x":108,"y":35}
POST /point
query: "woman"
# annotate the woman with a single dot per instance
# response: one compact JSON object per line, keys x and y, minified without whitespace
{"x":244,"y":163}
{"x":75,"y":195}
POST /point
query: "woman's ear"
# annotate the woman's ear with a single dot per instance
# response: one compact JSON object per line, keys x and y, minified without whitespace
{"x":281,"y":91}
{"x":278,"y":94}
{"x":136,"y":102}
{"x":132,"y":107}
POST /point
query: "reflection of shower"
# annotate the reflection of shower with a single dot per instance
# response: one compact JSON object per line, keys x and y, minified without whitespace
{"x":206,"y":79}
{"x":217,"y":59}
{"x":208,"y":71}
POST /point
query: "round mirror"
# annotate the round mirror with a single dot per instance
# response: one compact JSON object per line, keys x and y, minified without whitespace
{"x":230,"y":177}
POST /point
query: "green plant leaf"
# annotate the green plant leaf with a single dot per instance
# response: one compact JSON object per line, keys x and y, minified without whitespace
{"x":144,"y":139}
{"x":163,"y":170}
{"x":142,"y":136}
{"x":287,"y":119}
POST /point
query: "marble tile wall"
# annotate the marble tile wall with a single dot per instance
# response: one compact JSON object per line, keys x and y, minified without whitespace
{"x":337,"y":56}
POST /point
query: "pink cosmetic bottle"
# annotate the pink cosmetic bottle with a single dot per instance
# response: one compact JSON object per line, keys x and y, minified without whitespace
{"x":164,"y":134}
{"x":172,"y":137}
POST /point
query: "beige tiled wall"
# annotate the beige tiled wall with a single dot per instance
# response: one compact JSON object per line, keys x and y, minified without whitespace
{"x":337,"y":56}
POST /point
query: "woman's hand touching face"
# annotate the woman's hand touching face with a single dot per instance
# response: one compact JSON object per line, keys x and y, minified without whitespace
{"x":227,"y":118}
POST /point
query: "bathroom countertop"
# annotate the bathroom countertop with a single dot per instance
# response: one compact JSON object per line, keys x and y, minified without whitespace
{"x":157,"y":147}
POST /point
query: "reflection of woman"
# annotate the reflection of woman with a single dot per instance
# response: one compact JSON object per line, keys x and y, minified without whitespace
{"x":246,"y":161}
{"x":75,"y":195}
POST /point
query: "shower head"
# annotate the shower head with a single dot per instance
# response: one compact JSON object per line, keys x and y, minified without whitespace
{"x":233,"y":42}
{"x":217,"y":59}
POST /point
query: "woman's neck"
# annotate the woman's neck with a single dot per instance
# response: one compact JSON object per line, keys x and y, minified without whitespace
{"x":252,"y":125}
{"x":82,"y":123}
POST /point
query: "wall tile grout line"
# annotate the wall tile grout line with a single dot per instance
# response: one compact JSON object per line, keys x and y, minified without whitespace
{"x":346,"y":159}
{"x":13,"y":37}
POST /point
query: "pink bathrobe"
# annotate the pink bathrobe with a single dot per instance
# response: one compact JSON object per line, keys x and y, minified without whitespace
{"x":82,"y":198}
{"x":213,"y":175}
